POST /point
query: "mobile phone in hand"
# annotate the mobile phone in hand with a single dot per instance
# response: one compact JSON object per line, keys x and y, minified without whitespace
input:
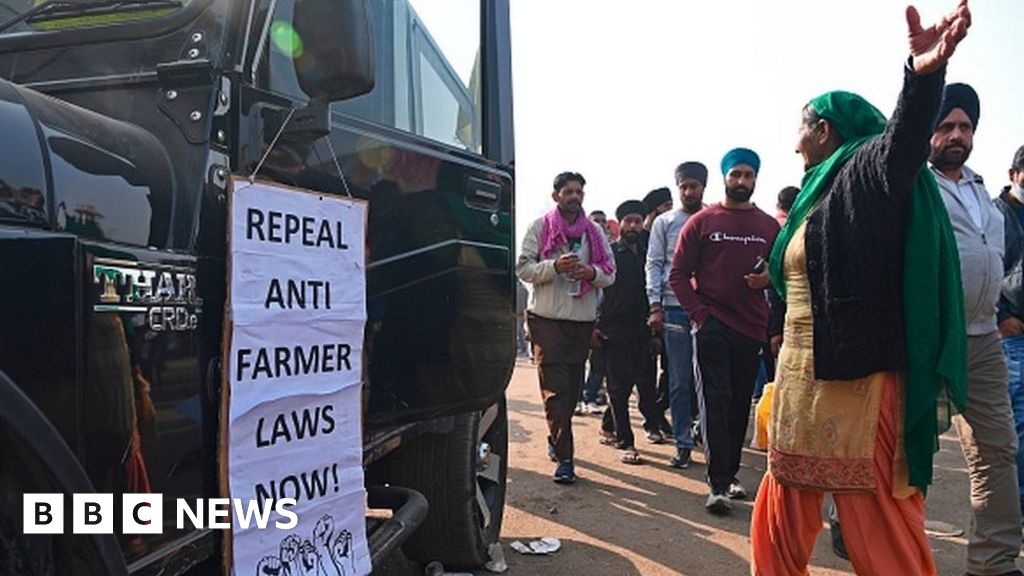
{"x":759,"y":265}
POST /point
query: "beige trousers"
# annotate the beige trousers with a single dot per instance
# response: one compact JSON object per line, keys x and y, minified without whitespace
{"x":989,"y":443}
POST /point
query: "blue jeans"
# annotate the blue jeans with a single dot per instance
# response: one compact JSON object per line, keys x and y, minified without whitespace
{"x":679,"y":353}
{"x":762,"y":376}
{"x":596,"y":375}
{"x":1013,"y":347}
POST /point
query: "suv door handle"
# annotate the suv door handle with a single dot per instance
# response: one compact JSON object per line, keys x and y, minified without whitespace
{"x":483,"y":194}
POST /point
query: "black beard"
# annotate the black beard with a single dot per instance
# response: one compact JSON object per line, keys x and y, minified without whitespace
{"x":630,"y":237}
{"x":946,"y":158}
{"x":739,"y":193}
{"x":691,"y":204}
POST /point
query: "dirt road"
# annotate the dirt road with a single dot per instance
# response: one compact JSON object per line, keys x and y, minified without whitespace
{"x":650,"y":519}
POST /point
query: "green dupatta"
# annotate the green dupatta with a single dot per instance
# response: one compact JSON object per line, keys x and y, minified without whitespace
{"x":933,"y":305}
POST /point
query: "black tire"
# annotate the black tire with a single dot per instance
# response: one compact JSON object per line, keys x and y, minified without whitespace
{"x":466,"y":493}
{"x":36,"y":554}
{"x":22,"y":554}
{"x":34,"y":458}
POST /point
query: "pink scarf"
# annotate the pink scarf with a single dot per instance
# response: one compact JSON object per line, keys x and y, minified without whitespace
{"x":555,"y":233}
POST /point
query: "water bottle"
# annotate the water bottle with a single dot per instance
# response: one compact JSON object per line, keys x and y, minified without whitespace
{"x":574,"y":287}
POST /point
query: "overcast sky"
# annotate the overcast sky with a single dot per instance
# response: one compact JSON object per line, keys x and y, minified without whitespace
{"x":624,"y":91}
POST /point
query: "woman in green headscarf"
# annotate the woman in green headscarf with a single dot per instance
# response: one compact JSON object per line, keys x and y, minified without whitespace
{"x":873,"y":344}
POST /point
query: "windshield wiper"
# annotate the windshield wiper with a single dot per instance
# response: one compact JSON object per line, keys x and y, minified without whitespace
{"x":65,"y":7}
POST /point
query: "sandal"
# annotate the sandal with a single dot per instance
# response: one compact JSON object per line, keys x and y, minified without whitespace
{"x":630,"y":456}
{"x":606,"y":438}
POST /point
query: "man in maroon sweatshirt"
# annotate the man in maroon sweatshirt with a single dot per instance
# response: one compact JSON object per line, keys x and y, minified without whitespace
{"x":719,"y":276}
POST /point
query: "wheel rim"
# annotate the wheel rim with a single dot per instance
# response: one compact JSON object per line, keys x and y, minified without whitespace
{"x":488,"y":467}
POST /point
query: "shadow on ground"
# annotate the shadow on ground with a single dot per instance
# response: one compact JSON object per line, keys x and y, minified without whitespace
{"x":650,"y":519}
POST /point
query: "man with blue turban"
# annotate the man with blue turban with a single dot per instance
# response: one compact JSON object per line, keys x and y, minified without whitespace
{"x":741,"y":156}
{"x":724,"y":248}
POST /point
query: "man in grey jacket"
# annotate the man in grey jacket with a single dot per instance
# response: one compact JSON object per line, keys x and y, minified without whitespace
{"x":986,"y":429}
{"x":667,"y":316}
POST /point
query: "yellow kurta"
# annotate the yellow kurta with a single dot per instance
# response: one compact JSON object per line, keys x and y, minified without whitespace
{"x":821,"y":435}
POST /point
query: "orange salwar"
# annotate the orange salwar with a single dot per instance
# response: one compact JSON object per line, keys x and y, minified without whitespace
{"x":883,"y":535}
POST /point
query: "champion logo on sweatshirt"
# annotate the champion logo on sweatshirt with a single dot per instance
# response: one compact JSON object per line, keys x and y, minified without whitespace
{"x":726,"y":237}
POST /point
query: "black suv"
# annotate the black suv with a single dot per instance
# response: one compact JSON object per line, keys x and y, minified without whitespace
{"x":122,"y":122}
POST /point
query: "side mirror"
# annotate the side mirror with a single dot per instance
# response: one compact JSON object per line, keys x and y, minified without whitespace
{"x":336,"y":59}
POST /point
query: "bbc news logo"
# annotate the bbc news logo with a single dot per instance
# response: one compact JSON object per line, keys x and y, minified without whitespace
{"x":143,"y":513}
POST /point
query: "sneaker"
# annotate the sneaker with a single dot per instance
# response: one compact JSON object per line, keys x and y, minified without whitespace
{"x":655,"y":437}
{"x":681,"y":459}
{"x":592,"y":408}
{"x":718,"y":503}
{"x":551,"y":453}
{"x":565,"y":473}
{"x":737,"y":491}
{"x":695,"y":432}
{"x":579,"y":409}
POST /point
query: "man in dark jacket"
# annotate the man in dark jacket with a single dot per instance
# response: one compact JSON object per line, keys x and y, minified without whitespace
{"x":653,"y":393}
{"x":596,"y":366}
{"x":621,"y":328}
{"x":1011,"y":302}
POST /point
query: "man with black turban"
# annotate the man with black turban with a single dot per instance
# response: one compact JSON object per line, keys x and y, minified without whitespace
{"x":621,"y":328}
{"x":873,"y":345}
{"x":986,"y":429}
{"x":656,"y":203}
{"x":653,"y":393}
{"x":667,"y":316}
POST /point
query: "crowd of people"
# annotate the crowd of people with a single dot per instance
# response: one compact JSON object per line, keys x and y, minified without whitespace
{"x":884,"y":299}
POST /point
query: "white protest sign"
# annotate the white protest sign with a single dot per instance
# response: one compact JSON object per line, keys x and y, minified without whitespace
{"x":297,"y":310}
{"x":307,"y":448}
{"x":298,"y":293}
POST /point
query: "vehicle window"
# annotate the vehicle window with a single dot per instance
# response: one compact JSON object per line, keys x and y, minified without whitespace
{"x":15,"y":16}
{"x":445,"y":78}
{"x":427,"y":60}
